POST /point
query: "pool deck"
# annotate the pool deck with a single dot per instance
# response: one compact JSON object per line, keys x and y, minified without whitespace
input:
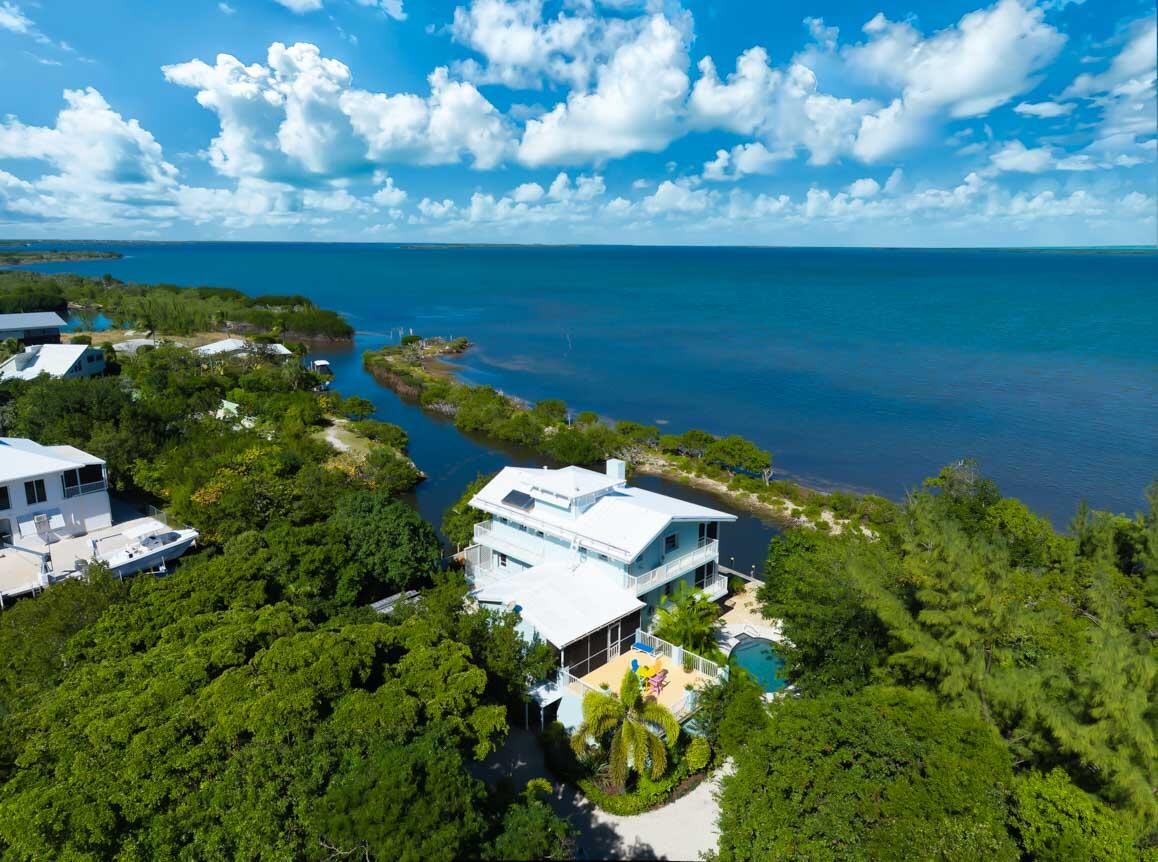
{"x":742,"y":617}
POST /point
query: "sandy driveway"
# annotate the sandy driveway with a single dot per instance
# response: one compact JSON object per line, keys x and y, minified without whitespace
{"x":681,"y":830}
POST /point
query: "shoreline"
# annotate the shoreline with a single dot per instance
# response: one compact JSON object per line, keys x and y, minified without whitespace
{"x":419,"y":375}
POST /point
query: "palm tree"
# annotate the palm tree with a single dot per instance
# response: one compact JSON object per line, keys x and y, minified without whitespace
{"x":690,"y":620}
{"x":629,"y":726}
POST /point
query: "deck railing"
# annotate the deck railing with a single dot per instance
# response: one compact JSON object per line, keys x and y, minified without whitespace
{"x":558,"y":531}
{"x":697,"y":663}
{"x":86,"y":488}
{"x":705,"y":551}
{"x":716,"y":585}
{"x":508,"y":542}
{"x":566,"y":679}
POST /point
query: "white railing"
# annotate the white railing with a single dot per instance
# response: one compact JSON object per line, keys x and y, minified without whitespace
{"x":477,"y":560}
{"x":86,"y":488}
{"x":705,"y":551}
{"x":530,"y":551}
{"x":715,"y":586}
{"x":697,"y":663}
{"x":566,"y":679}
{"x":557,"y":531}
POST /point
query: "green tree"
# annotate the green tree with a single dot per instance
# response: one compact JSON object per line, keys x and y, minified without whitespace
{"x":628,"y":729}
{"x":1058,"y":822}
{"x":738,"y":455}
{"x":690,"y":620}
{"x":531,"y":830}
{"x":883,"y":775}
{"x":458,"y":521}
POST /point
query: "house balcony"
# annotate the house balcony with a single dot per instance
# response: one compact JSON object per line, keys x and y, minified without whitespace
{"x":529,"y":549}
{"x":707,"y":550}
{"x":87,"y":488}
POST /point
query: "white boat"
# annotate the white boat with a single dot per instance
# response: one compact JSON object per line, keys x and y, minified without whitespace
{"x":150,"y":546}
{"x":322,"y":367}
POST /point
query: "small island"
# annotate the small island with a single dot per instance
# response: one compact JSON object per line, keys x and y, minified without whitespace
{"x":27,"y":256}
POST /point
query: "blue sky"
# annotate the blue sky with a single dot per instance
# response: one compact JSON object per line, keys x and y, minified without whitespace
{"x":890,"y":122}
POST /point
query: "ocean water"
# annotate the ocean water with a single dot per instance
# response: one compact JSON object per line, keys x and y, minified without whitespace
{"x":862,"y":369}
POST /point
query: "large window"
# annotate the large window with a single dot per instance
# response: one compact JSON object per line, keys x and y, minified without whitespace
{"x":34,"y":492}
{"x":671,"y":543}
{"x":5,"y":531}
{"x":5,"y":502}
{"x":86,"y":480}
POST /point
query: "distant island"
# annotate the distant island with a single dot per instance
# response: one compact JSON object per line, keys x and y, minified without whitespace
{"x":23,"y":257}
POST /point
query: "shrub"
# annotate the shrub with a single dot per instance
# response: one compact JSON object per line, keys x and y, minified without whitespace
{"x":80,"y":339}
{"x":699,"y":754}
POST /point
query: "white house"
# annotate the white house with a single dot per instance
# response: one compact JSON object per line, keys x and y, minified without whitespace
{"x":55,"y":360}
{"x":34,"y":327}
{"x":240,"y":347}
{"x":586,"y":559}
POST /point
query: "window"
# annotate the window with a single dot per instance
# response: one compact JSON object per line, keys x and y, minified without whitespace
{"x":670,"y":543}
{"x":5,"y":530}
{"x":85,"y":480}
{"x":91,"y":358}
{"x":34,"y":492}
{"x":502,"y":560}
{"x":5,"y":502}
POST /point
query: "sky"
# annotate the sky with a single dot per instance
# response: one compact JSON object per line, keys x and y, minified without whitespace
{"x":878,"y":122}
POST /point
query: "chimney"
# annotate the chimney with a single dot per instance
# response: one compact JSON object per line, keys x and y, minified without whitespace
{"x":617,"y":469}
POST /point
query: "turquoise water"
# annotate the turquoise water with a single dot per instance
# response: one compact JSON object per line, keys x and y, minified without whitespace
{"x":759,"y":658}
{"x":859,"y":368}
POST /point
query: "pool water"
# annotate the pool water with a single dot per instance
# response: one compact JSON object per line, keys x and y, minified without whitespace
{"x":759,"y":658}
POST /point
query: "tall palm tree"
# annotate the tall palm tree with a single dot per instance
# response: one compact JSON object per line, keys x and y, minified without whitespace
{"x":690,"y":620}
{"x":629,"y":727}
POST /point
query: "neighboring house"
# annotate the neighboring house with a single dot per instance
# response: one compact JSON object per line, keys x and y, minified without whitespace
{"x":587,"y":559}
{"x":50,"y":492}
{"x":55,"y":360}
{"x":36,"y":327}
{"x":241,"y":347}
{"x":133,"y":345}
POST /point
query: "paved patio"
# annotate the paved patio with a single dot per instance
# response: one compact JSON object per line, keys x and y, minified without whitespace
{"x":742,"y":616}
{"x":674,"y":691}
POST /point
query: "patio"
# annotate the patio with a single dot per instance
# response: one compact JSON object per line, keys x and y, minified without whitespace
{"x":674,"y":692}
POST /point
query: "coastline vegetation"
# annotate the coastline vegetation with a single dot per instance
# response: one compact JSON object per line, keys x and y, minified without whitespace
{"x":995,"y":681}
{"x":250,"y":704}
{"x":166,"y":309}
{"x":731,"y":466}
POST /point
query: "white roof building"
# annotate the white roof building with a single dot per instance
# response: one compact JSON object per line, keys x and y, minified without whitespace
{"x":34,"y":327}
{"x":55,"y":360}
{"x":241,"y":347}
{"x":585,"y":558}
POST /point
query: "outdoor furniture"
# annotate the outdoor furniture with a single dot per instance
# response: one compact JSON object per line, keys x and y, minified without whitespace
{"x":635,"y":665}
{"x":642,"y":647}
{"x":656,"y":683}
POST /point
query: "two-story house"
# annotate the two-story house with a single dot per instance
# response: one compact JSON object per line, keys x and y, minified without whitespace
{"x":586,"y":559}
{"x":55,"y":360}
{"x":32,"y":327}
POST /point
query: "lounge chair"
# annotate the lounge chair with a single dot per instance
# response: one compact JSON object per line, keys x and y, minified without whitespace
{"x":656,"y":683}
{"x":644,"y":648}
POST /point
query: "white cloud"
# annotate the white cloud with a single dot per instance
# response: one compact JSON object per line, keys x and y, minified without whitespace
{"x":743,"y":206}
{"x":864,"y":188}
{"x":389,"y":195}
{"x":301,"y":6}
{"x":298,"y":115}
{"x":677,"y":197}
{"x":528,"y":193}
{"x":635,"y":105}
{"x":1045,"y":110}
{"x":1015,"y":156}
{"x":436,"y":209}
{"x":989,"y":57}
{"x":226,"y":9}
{"x":585,"y":188}
{"x":893,"y":183}
{"x":13,"y":19}
{"x":742,"y":160}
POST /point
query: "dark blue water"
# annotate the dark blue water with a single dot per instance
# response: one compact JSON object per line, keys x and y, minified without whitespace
{"x":867,"y":369}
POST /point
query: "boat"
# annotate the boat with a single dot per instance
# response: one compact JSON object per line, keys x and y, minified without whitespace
{"x":151,"y":545}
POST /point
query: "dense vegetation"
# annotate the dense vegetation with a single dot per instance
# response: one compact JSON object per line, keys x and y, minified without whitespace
{"x":969,"y":682}
{"x":167,"y":308}
{"x":250,"y":705}
{"x":737,"y":465}
{"x":24,"y":256}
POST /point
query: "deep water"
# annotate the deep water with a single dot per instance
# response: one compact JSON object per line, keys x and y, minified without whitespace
{"x":866,"y":369}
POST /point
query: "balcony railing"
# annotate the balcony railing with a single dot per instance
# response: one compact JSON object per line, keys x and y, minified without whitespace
{"x":86,"y":488}
{"x":714,"y":587}
{"x":698,"y":663}
{"x":559,"y":532}
{"x":706,"y":550}
{"x":529,"y":550}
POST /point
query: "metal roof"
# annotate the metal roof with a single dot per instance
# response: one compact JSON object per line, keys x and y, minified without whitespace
{"x":32,"y":320}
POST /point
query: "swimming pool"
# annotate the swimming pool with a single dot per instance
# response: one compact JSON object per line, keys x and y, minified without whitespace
{"x":759,"y":657}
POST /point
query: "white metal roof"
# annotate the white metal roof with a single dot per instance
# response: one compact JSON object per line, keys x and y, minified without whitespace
{"x":21,"y":458}
{"x":31,"y":320}
{"x":561,"y":602}
{"x":620,"y":521}
{"x":236,"y":345}
{"x":51,"y":359}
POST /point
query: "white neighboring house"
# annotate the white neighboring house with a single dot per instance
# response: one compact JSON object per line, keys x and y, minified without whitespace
{"x":50,"y":492}
{"x":240,"y":347}
{"x":55,"y":360}
{"x":55,"y":516}
{"x":586,"y":559}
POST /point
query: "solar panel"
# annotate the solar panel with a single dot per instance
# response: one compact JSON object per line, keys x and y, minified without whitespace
{"x":519,"y":500}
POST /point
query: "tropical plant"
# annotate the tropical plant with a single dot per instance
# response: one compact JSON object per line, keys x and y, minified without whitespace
{"x":628,"y":728}
{"x":690,"y":620}
{"x":698,"y":754}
